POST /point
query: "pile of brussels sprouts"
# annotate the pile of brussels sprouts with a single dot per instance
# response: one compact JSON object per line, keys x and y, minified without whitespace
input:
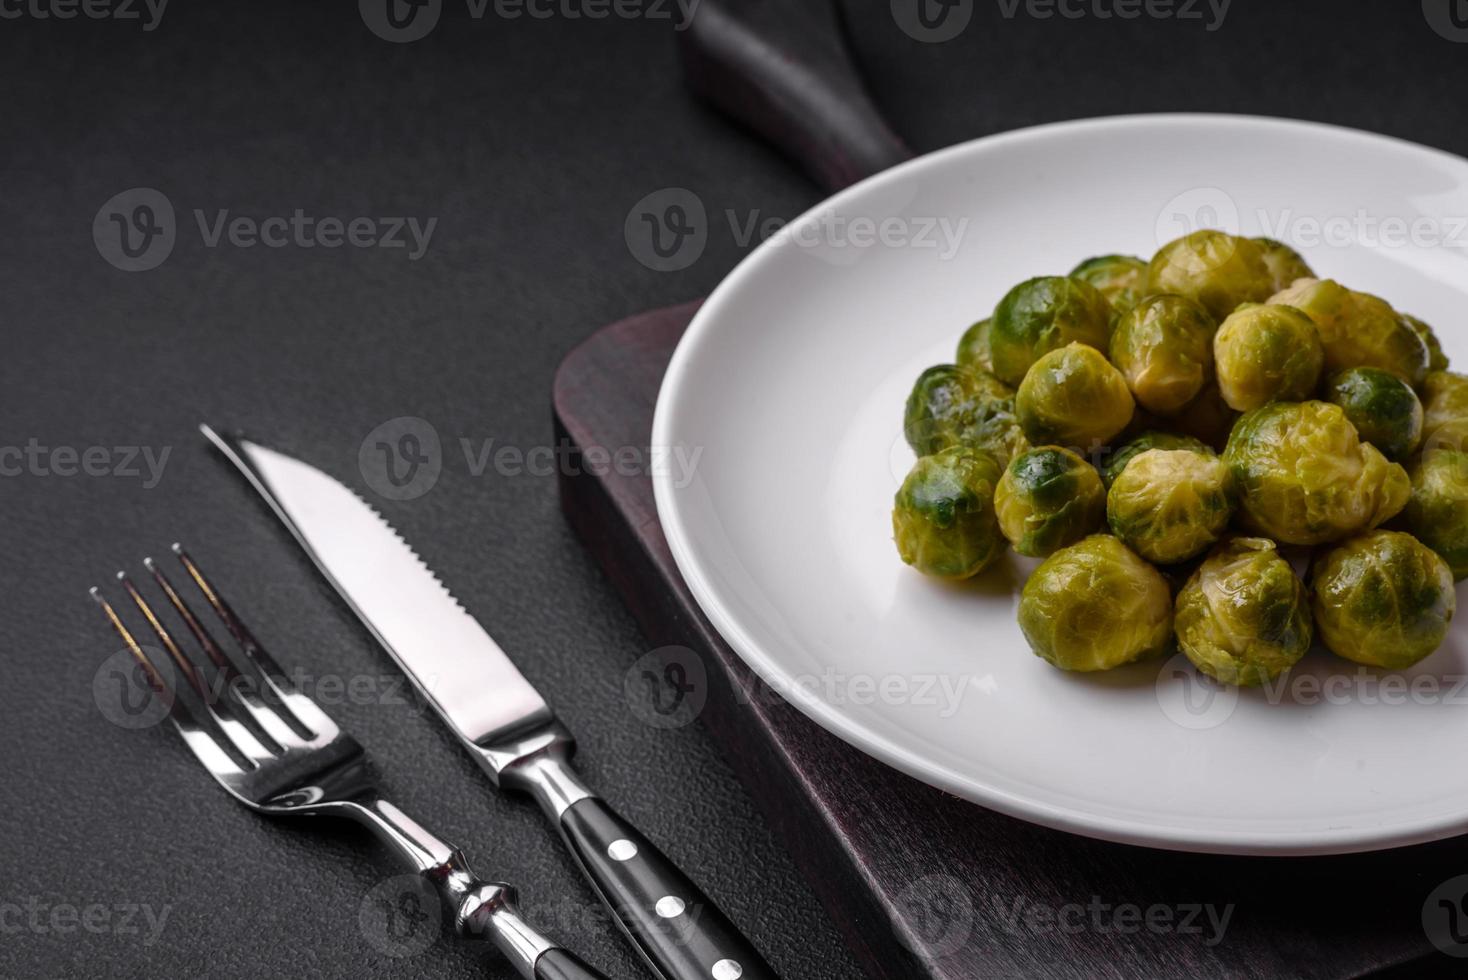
{"x":1158,"y":431}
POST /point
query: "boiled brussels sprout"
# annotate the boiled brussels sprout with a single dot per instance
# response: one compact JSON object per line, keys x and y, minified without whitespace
{"x":973,"y":348}
{"x":1096,"y":605}
{"x":1043,"y":315}
{"x":1144,"y":442}
{"x":1169,"y":505}
{"x":1444,"y":400}
{"x":1284,"y":263}
{"x":1122,"y":279}
{"x":1382,"y":407}
{"x":1265,"y":354}
{"x":948,"y":405}
{"x":1049,"y":498}
{"x":943,"y":518}
{"x":1438,"y":511}
{"x":1358,"y":329}
{"x":1073,"y":397}
{"x":1305,"y":477}
{"x":1207,"y":417}
{"x":1244,"y":616}
{"x":1437,"y":360}
{"x":1163,"y":347}
{"x":1213,"y":268}
{"x":1383,"y":599}
{"x":1449,"y":435}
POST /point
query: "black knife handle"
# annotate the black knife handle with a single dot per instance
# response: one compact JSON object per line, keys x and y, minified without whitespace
{"x":782,"y":67}
{"x":680,"y":932}
{"x":560,"y":964}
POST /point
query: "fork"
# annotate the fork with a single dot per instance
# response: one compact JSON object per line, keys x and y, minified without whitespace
{"x":273,"y":749}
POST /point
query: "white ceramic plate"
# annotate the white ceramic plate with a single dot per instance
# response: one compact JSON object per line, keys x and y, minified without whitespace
{"x":790,"y":385}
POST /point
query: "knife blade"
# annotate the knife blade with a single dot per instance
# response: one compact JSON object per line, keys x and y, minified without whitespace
{"x":500,"y":718}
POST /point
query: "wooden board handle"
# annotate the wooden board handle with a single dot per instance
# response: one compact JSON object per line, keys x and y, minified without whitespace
{"x":783,"y":68}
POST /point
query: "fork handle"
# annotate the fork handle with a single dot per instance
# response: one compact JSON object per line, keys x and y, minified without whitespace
{"x":481,"y":909}
{"x":488,"y":911}
{"x":678,"y":930}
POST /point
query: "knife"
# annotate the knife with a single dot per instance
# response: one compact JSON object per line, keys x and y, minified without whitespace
{"x":495,"y":712}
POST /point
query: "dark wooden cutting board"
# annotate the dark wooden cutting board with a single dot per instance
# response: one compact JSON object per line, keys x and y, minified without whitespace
{"x":925,"y":885}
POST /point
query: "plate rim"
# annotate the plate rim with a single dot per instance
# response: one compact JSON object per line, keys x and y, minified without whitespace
{"x":1355,"y":838}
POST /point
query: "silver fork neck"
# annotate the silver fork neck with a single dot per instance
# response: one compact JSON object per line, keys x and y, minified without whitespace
{"x":482,"y":910}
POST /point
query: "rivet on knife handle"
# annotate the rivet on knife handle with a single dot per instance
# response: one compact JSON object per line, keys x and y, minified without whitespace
{"x":673,"y":924}
{"x":678,"y":930}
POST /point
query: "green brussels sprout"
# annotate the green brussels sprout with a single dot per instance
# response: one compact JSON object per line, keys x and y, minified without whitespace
{"x":1452,"y":434}
{"x":1049,"y":498}
{"x":943,"y":517}
{"x":1215,"y":269}
{"x":1438,"y":511}
{"x":1383,"y":599}
{"x":1306,"y":477}
{"x":1444,"y":400}
{"x":1266,"y":354}
{"x":1437,"y":358}
{"x":1169,"y":505}
{"x":1096,"y":605}
{"x":1358,"y":329}
{"x":1163,"y":346}
{"x":1382,"y":407}
{"x":1073,"y":397}
{"x":1244,"y":616}
{"x":1284,"y":263}
{"x":1148,"y":440}
{"x":1206,"y":418}
{"x":1042,"y":315}
{"x":1122,"y":279}
{"x":973,"y":348}
{"x":948,"y":406}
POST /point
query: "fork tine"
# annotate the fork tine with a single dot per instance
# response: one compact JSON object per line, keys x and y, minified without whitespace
{"x":204,"y":745}
{"x":233,"y":623}
{"x":156,"y":682}
{"x":238,"y":735}
{"x":183,"y":663}
{"x":278,"y":728}
{"x":299,"y":708}
{"x":206,"y":641}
